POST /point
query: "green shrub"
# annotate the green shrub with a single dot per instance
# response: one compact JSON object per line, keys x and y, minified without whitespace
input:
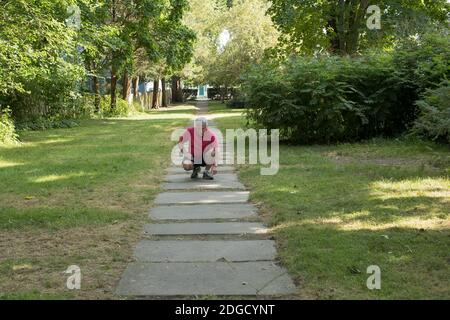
{"x":327,"y":99}
{"x":420,"y":65}
{"x":46,"y":123}
{"x":238,"y":101}
{"x":83,"y":108}
{"x":424,"y":63}
{"x":7,"y":130}
{"x":331,"y":99}
{"x":41,"y":68}
{"x":434,"y":119}
{"x":87,"y":107}
{"x":137,"y":107}
{"x":122,"y":107}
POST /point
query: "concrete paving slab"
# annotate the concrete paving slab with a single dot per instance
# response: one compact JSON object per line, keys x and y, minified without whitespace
{"x":203,"y":185}
{"x":204,"y":211}
{"x":204,"y":266}
{"x":205,"y":228}
{"x":202,"y":197}
{"x":205,"y":251}
{"x":210,"y":278}
{"x":179,"y":170}
{"x":220,"y":177}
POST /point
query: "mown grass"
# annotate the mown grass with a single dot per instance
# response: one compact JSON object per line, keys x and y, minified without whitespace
{"x":33,"y":295}
{"x":219,"y":107}
{"x":54,"y":219}
{"x":80,"y":196}
{"x":335,"y":210}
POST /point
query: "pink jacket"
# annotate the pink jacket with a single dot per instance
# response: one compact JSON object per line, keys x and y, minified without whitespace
{"x":208,"y":142}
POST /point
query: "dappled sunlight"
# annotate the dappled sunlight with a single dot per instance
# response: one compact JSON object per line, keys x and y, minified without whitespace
{"x":224,"y":115}
{"x":407,"y":222}
{"x":175,"y":108}
{"x":402,"y":258}
{"x":48,"y":141}
{"x":90,"y":165}
{"x":54,"y":141}
{"x":55,"y":177}
{"x":34,"y":144}
{"x":413,"y":222}
{"x":10,"y":146}
{"x":355,"y":215}
{"x":9,"y":164}
{"x":185,"y":111}
{"x":158,"y":116}
{"x":428,"y":187}
{"x":325,"y":196}
{"x":342,"y":224}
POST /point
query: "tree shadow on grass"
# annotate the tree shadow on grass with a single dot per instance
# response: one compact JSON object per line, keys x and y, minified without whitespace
{"x":335,"y":220}
{"x":64,"y":169}
{"x":331,"y":263}
{"x":316,"y":188}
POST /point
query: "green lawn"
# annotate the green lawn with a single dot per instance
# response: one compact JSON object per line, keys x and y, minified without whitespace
{"x":335,"y":210}
{"x":79,"y":196}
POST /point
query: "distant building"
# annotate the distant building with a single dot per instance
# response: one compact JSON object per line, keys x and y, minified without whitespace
{"x":202,"y":92}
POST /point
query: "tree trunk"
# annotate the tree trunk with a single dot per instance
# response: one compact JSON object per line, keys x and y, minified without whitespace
{"x":356,"y":22}
{"x":113,"y":68}
{"x":347,"y":23}
{"x":96,"y":90}
{"x":340,"y":26}
{"x":95,"y":85}
{"x":163,"y":91}
{"x":177,"y":92}
{"x":136,"y":88}
{"x":113,"y":88}
{"x":155,"y":104}
{"x":334,"y":42}
{"x":222,"y":94}
{"x":126,"y":89}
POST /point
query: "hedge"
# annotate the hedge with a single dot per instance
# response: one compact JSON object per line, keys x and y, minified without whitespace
{"x":335,"y":99}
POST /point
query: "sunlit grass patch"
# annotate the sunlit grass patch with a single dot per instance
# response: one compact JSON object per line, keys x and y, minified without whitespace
{"x":56,"y":177}
{"x":54,"y":218}
{"x":427,"y":187}
{"x":8,"y":164}
{"x":79,"y":196}
{"x":335,"y":210}
{"x":175,"y":112}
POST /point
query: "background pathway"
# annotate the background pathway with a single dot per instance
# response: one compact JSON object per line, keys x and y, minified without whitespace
{"x":206,"y":239}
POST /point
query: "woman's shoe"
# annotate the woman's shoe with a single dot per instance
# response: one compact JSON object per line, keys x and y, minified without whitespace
{"x":207,"y":175}
{"x":195,"y":173}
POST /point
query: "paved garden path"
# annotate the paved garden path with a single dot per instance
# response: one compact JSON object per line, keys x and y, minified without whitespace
{"x":205,"y":240}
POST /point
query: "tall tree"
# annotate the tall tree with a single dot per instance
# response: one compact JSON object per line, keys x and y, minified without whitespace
{"x":44,"y":61}
{"x":340,"y":26}
{"x":97,"y":38}
{"x":246,"y":35}
{"x":155,"y":28}
{"x":205,"y":18}
{"x":40,"y":69}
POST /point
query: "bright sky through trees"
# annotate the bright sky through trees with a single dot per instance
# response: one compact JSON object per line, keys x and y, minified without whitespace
{"x":223,"y":40}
